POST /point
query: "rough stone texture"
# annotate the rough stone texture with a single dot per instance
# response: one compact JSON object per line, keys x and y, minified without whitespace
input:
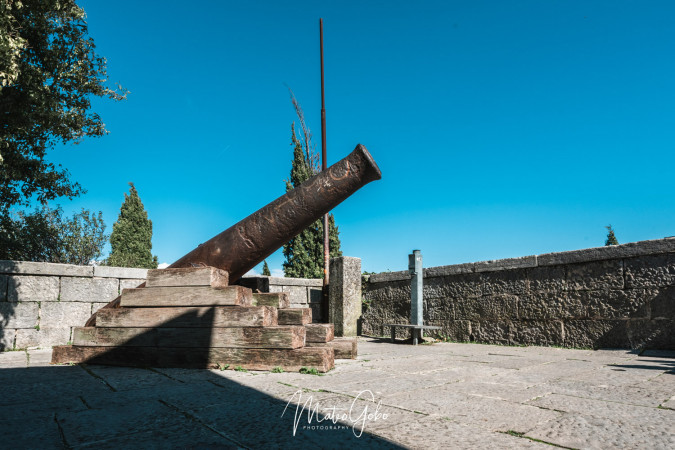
{"x":493,"y":332}
{"x":42,"y":268}
{"x":63,"y":314}
{"x":451,"y":330}
{"x":454,"y":269}
{"x":596,"y":334}
{"x":131,"y":283}
{"x":488,"y":307}
{"x":89,"y":290}
{"x":537,"y":332}
{"x":547,"y":279}
{"x":297,"y":294}
{"x":551,"y":305}
{"x":7,"y":336}
{"x":650,"y":271}
{"x":345,"y":295}
{"x":610,"y":252}
{"x":615,"y":304}
{"x":18,"y":315}
{"x":654,"y":334}
{"x":3,"y":288}
{"x":32,"y":289}
{"x":596,"y":275}
{"x":45,"y":337}
{"x":119,"y":272}
{"x":503,"y":264}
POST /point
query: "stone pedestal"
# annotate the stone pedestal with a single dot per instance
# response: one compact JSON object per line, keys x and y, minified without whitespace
{"x":345,"y":295}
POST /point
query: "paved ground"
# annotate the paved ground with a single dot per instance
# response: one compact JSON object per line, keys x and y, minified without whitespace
{"x":430,"y":396}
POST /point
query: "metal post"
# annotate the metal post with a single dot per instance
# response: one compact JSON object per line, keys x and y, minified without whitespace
{"x":324,"y":164}
{"x":416,"y":293}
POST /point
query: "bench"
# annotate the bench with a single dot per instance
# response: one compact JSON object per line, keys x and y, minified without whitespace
{"x":416,"y":330}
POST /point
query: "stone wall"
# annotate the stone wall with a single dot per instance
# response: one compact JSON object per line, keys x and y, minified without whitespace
{"x":620,"y":296}
{"x":303,"y":292}
{"x":40,"y":303}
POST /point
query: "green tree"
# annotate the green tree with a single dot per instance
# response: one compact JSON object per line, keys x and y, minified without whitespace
{"x":611,"y":239}
{"x":49,"y":71}
{"x":46,"y":236}
{"x":304,"y":253}
{"x":266,"y":269}
{"x":131,"y":238}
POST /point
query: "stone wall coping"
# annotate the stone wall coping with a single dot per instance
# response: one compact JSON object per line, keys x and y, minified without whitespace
{"x":632,"y":249}
{"x":283,"y":281}
{"x":68,"y":270}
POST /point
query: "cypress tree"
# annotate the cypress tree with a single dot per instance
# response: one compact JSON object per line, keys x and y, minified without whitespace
{"x":131,"y":238}
{"x":304,"y":253}
{"x":611,"y":239}
{"x":266,"y":269}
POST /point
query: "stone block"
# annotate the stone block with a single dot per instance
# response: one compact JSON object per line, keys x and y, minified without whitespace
{"x":549,"y":279}
{"x":538,"y":332}
{"x":28,"y":288}
{"x":131,"y":283}
{"x":95,"y":307}
{"x":386,"y":277}
{"x":596,"y":334}
{"x":345,"y":295}
{"x":43,"y":338}
{"x":595,"y":275}
{"x":650,"y":271}
{"x":512,"y":282}
{"x":64,"y":314}
{"x":617,"y":304}
{"x":454,"y":286}
{"x":3,"y":288}
{"x":551,"y":305}
{"x":610,"y":252}
{"x":505,"y":264}
{"x":119,"y":272}
{"x":89,"y":289}
{"x":492,"y":331}
{"x":43,"y":268}
{"x":663,"y":304}
{"x":454,"y":269}
{"x":7,"y":336}
{"x":274,"y":288}
{"x":489,"y":307}
{"x":439,"y":309}
{"x":18,"y":315}
{"x":282,"y":281}
{"x":297,"y":294}
{"x":651,"y":334}
{"x":451,"y":330}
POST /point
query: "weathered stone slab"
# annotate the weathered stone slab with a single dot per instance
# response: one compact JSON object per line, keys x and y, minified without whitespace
{"x":489,"y":307}
{"x":131,"y":283}
{"x":596,"y":334}
{"x":653,"y":334}
{"x":550,"y":279}
{"x":650,"y":271}
{"x":282,"y":281}
{"x":297,"y":294}
{"x":252,"y":359}
{"x":19,"y":315}
{"x":609,"y":252}
{"x":187,"y":296}
{"x":512,"y":282}
{"x":663,"y":304}
{"x":504,"y":264}
{"x":345,"y":295}
{"x":320,"y":332}
{"x":119,"y":272}
{"x":492,"y":331}
{"x":89,"y":289}
{"x":345,"y":348}
{"x":595,"y":275}
{"x":616,"y":304}
{"x":385,"y":277}
{"x":233,"y":337}
{"x":191,"y":276}
{"x":63,"y":314}
{"x":190,"y":317}
{"x":273,"y":299}
{"x":294,"y":316}
{"x":454,"y":269}
{"x":42,"y":268}
{"x":44,"y":338}
{"x":451,"y":330}
{"x":552,"y":305}
{"x":440,"y":308}
{"x":7,"y":336}
{"x":538,"y":332}
{"x":28,"y":288}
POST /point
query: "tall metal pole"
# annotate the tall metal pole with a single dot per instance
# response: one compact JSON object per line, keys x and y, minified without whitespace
{"x":326,"y":246}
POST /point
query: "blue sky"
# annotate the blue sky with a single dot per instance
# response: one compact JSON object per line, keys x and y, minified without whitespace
{"x":502,"y":128}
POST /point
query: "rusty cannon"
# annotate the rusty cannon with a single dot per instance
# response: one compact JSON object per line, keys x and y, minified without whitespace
{"x":247,"y":243}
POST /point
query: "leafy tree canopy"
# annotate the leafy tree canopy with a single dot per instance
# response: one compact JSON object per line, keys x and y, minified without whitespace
{"x":46,"y":236}
{"x":611,"y":239}
{"x":131,"y":238}
{"x":266,"y":269}
{"x":49,"y":71}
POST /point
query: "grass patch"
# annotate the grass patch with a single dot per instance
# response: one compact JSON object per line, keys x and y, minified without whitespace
{"x":223,"y":366}
{"x":240,"y":369}
{"x":277,"y":369}
{"x":310,"y":371}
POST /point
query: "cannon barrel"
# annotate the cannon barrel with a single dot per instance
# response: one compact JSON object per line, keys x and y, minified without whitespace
{"x":247,"y":243}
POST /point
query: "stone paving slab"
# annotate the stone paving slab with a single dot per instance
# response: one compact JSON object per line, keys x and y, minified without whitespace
{"x":434,"y":396}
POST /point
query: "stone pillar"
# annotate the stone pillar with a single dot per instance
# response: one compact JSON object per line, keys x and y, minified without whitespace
{"x":344,"y":299}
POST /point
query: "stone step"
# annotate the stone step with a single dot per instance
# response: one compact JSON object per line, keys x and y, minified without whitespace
{"x":189,"y":317}
{"x":319,"y":332}
{"x":321,"y":358}
{"x":275,"y":299}
{"x":233,"y":337}
{"x":187,"y":296}
{"x":193,"y":276}
{"x":344,"y":348}
{"x":294,"y":316}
